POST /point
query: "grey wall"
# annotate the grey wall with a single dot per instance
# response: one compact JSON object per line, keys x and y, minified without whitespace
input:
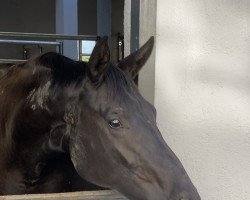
{"x":27,"y":16}
{"x":116,"y":25}
{"x":38,"y":16}
{"x":87,"y":18}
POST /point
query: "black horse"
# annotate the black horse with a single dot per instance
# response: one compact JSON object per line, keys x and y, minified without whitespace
{"x":59,"y":116}
{"x":4,"y":67}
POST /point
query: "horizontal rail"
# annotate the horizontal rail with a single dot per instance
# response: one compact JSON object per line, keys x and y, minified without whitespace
{"x":90,"y":195}
{"x":47,"y":36}
{"x":11,"y":61}
{"x":30,"y":42}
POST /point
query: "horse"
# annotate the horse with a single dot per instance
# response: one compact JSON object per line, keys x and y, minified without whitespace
{"x":60,"y":117}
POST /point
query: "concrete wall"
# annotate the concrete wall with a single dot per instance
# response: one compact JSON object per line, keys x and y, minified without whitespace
{"x":87,"y":18}
{"x":39,"y":16}
{"x":25,"y":16}
{"x":202,"y":91}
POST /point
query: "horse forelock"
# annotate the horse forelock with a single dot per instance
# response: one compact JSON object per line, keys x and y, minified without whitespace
{"x":118,"y":84}
{"x":123,"y":89}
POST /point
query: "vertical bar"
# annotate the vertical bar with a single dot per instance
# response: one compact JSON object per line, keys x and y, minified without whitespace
{"x":148,"y":9}
{"x":127,"y":26}
{"x":135,"y":20}
{"x":80,"y":49}
{"x":61,"y":48}
{"x":41,"y":49}
{"x":120,"y":47}
{"x":104,"y":18}
{"x":135,"y":28}
{"x":25,"y":53}
{"x":67,"y":24}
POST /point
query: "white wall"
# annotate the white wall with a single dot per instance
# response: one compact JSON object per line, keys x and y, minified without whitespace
{"x":202,"y":91}
{"x":127,"y":26}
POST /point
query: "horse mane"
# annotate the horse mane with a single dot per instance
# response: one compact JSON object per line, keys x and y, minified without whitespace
{"x":14,"y":86}
{"x":64,"y":70}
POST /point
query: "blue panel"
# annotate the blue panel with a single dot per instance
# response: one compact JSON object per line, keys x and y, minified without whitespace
{"x":66,"y":23}
{"x":104,"y":18}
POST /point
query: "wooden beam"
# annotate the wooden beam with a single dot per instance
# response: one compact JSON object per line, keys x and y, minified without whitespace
{"x":87,"y":195}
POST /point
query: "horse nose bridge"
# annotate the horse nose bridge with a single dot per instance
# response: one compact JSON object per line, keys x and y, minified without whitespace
{"x":185,"y":194}
{"x":166,"y":170}
{"x":182,"y":187}
{"x":156,"y":165}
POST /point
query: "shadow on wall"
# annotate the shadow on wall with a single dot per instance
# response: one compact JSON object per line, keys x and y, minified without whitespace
{"x":203,"y":91}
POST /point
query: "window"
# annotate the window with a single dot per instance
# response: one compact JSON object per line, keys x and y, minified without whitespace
{"x":86,"y":49}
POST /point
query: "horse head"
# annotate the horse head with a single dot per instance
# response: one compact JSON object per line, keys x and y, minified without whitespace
{"x":115,"y":142}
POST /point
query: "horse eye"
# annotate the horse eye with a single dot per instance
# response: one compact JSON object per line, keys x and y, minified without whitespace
{"x":115,"y":123}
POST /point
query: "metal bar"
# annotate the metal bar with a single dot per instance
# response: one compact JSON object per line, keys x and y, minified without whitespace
{"x":120,"y":47}
{"x":47,"y":36}
{"x":11,"y":61}
{"x":135,"y":28}
{"x":60,"y":48}
{"x":135,"y":25}
{"x":30,"y":42}
{"x":79,"y":50}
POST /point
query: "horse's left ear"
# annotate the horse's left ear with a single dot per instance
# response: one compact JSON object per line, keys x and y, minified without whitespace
{"x":99,"y":60}
{"x":132,"y":64}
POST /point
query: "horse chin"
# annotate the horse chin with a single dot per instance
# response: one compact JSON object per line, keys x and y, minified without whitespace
{"x":140,"y":189}
{"x":146,"y":191}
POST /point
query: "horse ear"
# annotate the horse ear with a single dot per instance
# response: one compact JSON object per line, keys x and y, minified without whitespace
{"x":132,"y":64}
{"x":99,"y":60}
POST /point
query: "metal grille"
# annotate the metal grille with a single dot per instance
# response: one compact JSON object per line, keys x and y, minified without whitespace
{"x":39,"y":40}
